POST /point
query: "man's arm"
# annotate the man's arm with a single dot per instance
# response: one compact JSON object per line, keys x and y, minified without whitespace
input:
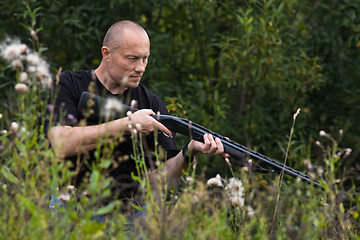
{"x":69,"y":141}
{"x":174,"y":167}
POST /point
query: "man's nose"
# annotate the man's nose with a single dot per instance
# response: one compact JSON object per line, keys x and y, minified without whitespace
{"x":140,"y":66}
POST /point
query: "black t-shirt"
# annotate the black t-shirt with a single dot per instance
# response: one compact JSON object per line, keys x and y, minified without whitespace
{"x":68,"y":92}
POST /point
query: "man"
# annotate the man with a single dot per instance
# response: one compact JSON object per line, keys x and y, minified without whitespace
{"x":125,"y":54}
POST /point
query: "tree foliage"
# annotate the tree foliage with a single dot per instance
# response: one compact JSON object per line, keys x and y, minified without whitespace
{"x":242,"y":67}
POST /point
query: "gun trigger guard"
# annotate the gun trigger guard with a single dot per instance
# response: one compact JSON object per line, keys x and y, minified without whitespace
{"x":168,"y":135}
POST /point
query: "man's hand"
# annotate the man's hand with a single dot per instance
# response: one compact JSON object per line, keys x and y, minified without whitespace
{"x":146,"y":124}
{"x":210,"y":146}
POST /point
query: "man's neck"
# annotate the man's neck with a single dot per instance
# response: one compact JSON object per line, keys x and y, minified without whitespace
{"x":108,"y":83}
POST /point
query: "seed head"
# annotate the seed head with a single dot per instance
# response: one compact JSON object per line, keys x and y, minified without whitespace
{"x":341,"y":132}
{"x":34,"y":35}
{"x":71,"y":189}
{"x":189,"y":179}
{"x":17,"y":65}
{"x":128,"y":114}
{"x":236,"y":201}
{"x":13,"y":51}
{"x":322,"y":133}
{"x":228,"y":162}
{"x":23,"y":77}
{"x":249,"y":211}
{"x":320,"y":171}
{"x":235,"y":185}
{"x":138,"y":126}
{"x":21,"y":88}
{"x":296,"y":114}
{"x":347,"y":152}
{"x":318,"y":143}
{"x":133,"y":103}
{"x":112,"y":106}
{"x":14,"y":128}
{"x":215,"y":182}
{"x":33,"y":59}
{"x":65,"y":197}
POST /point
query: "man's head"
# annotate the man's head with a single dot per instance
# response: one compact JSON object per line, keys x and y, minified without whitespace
{"x":125,"y":51}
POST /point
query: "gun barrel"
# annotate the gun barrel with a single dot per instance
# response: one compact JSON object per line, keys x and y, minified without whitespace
{"x":233,"y":148}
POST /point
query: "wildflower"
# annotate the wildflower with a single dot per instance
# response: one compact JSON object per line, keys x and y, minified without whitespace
{"x":50,"y":108}
{"x":322,"y":133}
{"x":138,"y":126}
{"x":235,"y":185}
{"x":14,"y":128}
{"x":33,"y":59}
{"x":65,"y":197}
{"x":17,"y":64}
{"x":135,"y":132}
{"x":341,"y":132}
{"x":42,"y":72}
{"x":347,"y":152}
{"x":47,"y":82}
{"x":236,"y":192}
{"x":23,"y":77}
{"x":296,"y":114}
{"x":125,"y":79}
{"x":249,"y":211}
{"x":23,"y":130}
{"x":133,"y":104}
{"x":228,"y":162}
{"x":128,"y":114}
{"x":215,"y":182}
{"x":250,"y":162}
{"x":189,"y":179}
{"x":112,"y":106}
{"x":318,"y":143}
{"x":71,"y":189}
{"x":308,"y":164}
{"x":31,"y":69}
{"x":4,"y":131}
{"x":34,"y":35}
{"x":320,"y":171}
{"x":13,"y":51}
{"x":71,"y":117}
{"x":1,"y":116}
{"x":245,"y":169}
{"x":21,"y":88}
{"x":236,"y":200}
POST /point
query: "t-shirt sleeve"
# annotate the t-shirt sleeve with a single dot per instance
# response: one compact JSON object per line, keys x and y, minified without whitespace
{"x":63,"y":103}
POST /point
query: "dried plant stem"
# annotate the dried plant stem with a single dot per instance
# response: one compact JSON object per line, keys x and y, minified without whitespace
{"x":281,"y":177}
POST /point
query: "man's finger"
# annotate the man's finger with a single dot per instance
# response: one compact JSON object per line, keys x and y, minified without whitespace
{"x":163,"y":129}
{"x":219,"y":145}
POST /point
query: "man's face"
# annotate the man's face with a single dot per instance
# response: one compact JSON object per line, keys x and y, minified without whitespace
{"x":127,"y":63}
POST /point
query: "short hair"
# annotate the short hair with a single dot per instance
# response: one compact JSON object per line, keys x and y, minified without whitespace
{"x":114,"y":34}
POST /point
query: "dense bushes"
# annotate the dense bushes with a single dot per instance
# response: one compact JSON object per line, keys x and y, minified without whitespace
{"x":241,"y":68}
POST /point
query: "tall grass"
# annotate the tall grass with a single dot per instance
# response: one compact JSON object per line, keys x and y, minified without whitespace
{"x":30,"y":174}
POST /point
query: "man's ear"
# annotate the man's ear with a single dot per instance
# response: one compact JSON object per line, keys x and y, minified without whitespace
{"x":105,"y":51}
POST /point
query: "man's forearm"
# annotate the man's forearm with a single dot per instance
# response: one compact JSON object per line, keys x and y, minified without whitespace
{"x":170,"y":172}
{"x":69,"y":141}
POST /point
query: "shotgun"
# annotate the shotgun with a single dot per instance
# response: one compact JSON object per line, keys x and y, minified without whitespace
{"x":195,"y":131}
